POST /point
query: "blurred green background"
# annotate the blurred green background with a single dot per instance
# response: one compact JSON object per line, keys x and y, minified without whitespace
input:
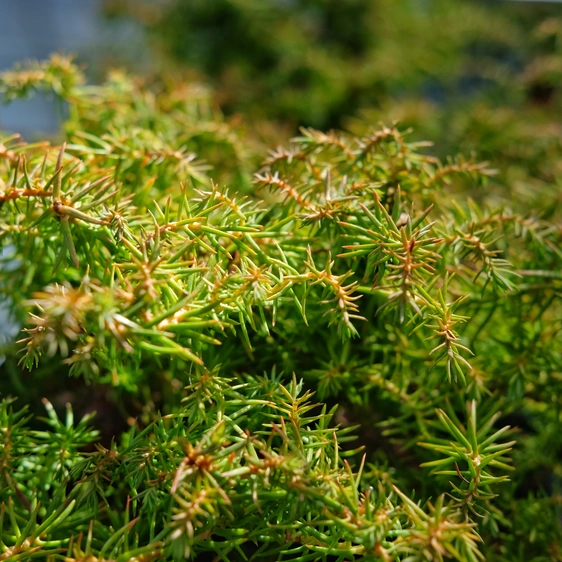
{"x":316,"y":62}
{"x":469,"y":75}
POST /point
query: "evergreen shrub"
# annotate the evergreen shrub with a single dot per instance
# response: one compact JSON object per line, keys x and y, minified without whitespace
{"x":342,"y":349}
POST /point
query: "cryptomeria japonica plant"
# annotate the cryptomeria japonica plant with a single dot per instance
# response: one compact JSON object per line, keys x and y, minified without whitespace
{"x":224,"y":307}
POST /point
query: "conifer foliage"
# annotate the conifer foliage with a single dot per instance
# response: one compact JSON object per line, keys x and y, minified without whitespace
{"x":226,"y":300}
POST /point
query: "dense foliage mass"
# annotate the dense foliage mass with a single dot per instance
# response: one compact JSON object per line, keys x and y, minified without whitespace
{"x":223,"y":300}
